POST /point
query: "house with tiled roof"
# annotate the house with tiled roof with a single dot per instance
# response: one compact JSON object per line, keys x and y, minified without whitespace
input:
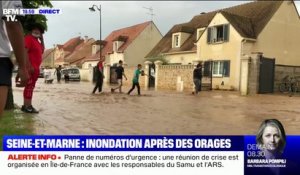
{"x":73,"y":52}
{"x":81,"y":52}
{"x":178,"y":45}
{"x":225,"y":37}
{"x":130,"y":44}
{"x":62,"y":53}
{"x":48,"y":58}
{"x":93,"y":58}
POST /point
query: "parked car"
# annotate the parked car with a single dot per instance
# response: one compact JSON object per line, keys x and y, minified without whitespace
{"x":73,"y":74}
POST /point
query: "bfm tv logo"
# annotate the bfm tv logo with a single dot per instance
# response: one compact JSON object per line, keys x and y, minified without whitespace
{"x":11,"y":14}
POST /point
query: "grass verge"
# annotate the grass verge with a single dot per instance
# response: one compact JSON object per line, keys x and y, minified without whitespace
{"x":15,"y":123}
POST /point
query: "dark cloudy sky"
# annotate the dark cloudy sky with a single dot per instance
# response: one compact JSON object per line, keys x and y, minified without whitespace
{"x":77,"y":20}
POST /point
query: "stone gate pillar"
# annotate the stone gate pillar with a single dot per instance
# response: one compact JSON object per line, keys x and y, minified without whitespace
{"x":157,"y":65}
{"x":245,"y":75}
{"x":147,"y":70}
{"x":254,"y":70}
{"x":107,"y":73}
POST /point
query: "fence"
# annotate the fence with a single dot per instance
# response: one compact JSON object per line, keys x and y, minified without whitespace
{"x":86,"y":74}
{"x":281,"y":71}
{"x":129,"y":72}
{"x":180,"y":77}
{"x":167,"y":77}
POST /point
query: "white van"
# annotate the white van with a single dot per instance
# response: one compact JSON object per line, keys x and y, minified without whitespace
{"x":72,"y":73}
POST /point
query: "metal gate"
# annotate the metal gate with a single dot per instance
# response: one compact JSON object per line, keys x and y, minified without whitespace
{"x":266,"y":75}
{"x":207,"y":75}
{"x":113,"y":75}
{"x":94,"y":74}
{"x":151,"y":74}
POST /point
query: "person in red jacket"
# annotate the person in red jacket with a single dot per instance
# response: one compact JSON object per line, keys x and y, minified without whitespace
{"x":99,"y":77}
{"x":34,"y":44}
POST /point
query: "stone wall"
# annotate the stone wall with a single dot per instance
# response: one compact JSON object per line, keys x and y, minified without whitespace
{"x":168,"y":77}
{"x":179,"y":78}
{"x":171,"y":77}
{"x":281,"y":71}
{"x":129,"y":72}
{"x":254,"y":70}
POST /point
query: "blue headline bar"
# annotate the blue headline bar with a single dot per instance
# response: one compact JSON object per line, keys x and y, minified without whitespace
{"x":123,"y":143}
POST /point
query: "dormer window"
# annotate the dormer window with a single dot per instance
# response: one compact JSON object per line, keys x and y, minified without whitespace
{"x":118,"y":42}
{"x":217,"y":34}
{"x":176,"y":40}
{"x":103,"y":43}
{"x":95,"y":49}
{"x":115,"y":46}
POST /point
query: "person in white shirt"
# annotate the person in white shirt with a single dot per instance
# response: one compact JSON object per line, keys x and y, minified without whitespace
{"x":10,"y":33}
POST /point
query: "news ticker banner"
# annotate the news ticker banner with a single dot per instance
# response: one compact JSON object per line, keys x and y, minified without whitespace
{"x":135,"y":155}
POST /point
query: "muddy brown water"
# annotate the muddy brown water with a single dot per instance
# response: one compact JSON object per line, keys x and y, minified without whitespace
{"x":69,"y":108}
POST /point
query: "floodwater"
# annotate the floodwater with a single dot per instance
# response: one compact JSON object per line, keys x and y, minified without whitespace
{"x":69,"y":108}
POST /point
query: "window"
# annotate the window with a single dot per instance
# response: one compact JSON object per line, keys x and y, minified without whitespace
{"x":73,"y":71}
{"x":199,"y":32}
{"x":94,"y":51}
{"x":221,"y":68}
{"x":218,"y":34}
{"x":207,"y":68}
{"x":176,"y":40}
{"x":217,"y":68}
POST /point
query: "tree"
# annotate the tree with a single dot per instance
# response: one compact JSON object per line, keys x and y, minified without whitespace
{"x":26,"y":22}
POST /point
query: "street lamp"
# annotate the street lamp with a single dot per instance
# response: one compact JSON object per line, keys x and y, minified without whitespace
{"x":93,"y":9}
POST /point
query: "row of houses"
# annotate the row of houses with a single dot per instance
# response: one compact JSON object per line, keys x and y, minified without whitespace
{"x":227,"y":41}
{"x":130,"y":44}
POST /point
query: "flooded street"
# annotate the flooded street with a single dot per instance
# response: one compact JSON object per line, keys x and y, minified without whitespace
{"x":71,"y":109}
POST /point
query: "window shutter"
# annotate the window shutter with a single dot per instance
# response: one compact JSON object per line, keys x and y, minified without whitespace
{"x":207,"y":70}
{"x":226,"y":32}
{"x":209,"y":35}
{"x":226,"y":68}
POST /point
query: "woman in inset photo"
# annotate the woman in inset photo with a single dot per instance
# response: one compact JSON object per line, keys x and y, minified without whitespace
{"x":271,"y":138}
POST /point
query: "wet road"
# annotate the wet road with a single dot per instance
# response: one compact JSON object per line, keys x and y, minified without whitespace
{"x":71,"y":109}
